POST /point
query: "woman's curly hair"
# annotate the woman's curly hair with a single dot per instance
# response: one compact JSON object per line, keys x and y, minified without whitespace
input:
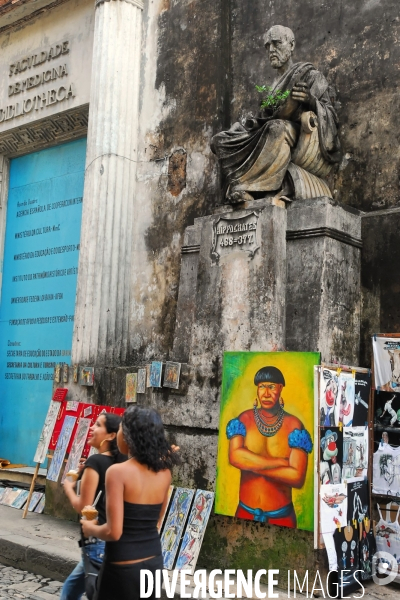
{"x":144,"y":434}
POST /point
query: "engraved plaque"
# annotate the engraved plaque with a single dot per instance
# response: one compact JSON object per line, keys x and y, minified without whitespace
{"x":238,"y":233}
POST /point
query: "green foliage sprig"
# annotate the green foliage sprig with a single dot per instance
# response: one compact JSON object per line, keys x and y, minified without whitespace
{"x":273,"y":99}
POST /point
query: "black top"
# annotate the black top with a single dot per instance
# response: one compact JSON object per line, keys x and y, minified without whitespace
{"x":100,"y":464}
{"x":140,"y":538}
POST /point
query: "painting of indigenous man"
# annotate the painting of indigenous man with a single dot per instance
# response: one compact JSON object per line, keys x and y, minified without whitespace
{"x":265,"y":446}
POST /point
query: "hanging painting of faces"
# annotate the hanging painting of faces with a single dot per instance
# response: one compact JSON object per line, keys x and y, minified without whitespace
{"x":265,"y":450}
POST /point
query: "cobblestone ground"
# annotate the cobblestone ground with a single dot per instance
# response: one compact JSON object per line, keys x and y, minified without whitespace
{"x":22,"y":584}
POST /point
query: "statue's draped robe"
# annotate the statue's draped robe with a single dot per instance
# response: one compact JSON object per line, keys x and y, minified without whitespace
{"x":256,"y":158}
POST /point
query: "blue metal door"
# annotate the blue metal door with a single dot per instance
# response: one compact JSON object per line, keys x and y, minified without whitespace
{"x":39,"y":276}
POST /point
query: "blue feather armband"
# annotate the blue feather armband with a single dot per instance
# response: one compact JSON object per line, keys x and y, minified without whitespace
{"x":300,"y":438}
{"x":235,"y":427}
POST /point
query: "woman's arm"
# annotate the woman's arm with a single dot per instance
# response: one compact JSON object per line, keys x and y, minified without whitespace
{"x":111,"y":531}
{"x":89,"y":483}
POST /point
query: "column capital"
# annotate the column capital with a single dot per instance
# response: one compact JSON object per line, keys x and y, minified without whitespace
{"x":138,"y":3}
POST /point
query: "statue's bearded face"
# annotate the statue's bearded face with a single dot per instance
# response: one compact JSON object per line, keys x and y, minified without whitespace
{"x":279,"y":50}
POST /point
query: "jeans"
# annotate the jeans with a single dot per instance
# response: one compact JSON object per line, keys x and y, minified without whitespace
{"x":74,"y":585}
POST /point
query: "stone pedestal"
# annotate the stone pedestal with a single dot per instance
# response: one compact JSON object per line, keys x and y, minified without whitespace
{"x":323,"y":279}
{"x":102,"y":307}
{"x":231,"y":297}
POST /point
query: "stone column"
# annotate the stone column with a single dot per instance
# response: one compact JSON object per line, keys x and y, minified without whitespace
{"x":102,"y":301}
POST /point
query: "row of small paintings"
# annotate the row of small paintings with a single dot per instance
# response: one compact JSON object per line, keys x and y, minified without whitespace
{"x":81,"y":375}
{"x":16,"y":498}
{"x":151,"y":376}
{"x":187,"y":518}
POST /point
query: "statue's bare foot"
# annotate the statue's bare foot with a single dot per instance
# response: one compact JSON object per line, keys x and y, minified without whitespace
{"x":238,"y":197}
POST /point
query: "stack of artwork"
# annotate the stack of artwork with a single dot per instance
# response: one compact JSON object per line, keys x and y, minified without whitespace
{"x":184,"y":527}
{"x":17,"y":498}
{"x":151,"y":376}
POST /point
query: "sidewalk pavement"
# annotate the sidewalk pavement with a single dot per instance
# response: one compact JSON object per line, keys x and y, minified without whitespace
{"x":48,"y":546}
{"x":40,"y":544}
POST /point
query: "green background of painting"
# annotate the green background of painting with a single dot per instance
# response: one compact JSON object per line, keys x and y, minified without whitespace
{"x":238,"y":394}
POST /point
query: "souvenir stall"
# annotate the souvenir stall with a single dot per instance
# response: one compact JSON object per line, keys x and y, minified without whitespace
{"x":386,"y":448}
{"x":343,"y":432}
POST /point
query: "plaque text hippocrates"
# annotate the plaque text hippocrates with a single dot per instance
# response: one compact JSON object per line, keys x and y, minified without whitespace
{"x":235,"y":234}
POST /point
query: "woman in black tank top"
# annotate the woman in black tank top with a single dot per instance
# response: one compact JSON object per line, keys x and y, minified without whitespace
{"x":136,"y":499}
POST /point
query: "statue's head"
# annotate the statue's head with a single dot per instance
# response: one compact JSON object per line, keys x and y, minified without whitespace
{"x":279,"y":42}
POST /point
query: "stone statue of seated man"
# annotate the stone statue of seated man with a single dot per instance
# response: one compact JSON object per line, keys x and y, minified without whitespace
{"x":289,"y":148}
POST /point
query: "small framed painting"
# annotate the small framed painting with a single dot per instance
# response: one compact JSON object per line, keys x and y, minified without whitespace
{"x":172,"y":374}
{"x":141,"y":381}
{"x":131,"y":387}
{"x":86,"y":376}
{"x":155,"y":374}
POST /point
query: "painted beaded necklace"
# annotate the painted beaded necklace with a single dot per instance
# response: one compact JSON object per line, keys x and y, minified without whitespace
{"x":266,"y":429}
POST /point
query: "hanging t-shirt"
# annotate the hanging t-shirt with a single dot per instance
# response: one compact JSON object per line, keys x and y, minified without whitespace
{"x":331,"y":455}
{"x":361,"y":399}
{"x":386,"y":470}
{"x":357,"y":502}
{"x":333,"y":507}
{"x":355,"y":453}
{"x":347,"y":550}
{"x":387,"y":534}
{"x":327,"y":397}
{"x":387,"y":363}
{"x":344,"y":407}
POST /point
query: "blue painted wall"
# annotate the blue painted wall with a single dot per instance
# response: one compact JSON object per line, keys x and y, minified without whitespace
{"x":38,"y":290}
